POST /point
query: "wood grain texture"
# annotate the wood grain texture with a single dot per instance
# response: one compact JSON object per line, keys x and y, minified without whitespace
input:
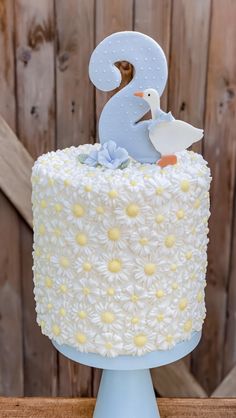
{"x":155,"y":20}
{"x":220,"y":152}
{"x":35,"y":74}
{"x":83,"y":408}
{"x":112,"y":16}
{"x":11,"y":343}
{"x":15,"y":171}
{"x":35,"y":37}
{"x":188,"y":61}
{"x":75,"y":93}
{"x":227,"y":388}
{"x":11,"y":338}
{"x":175,"y":380}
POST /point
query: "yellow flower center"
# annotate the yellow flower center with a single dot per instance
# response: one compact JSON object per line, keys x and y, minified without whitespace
{"x":183,"y":304}
{"x":159,"y":294}
{"x":110,"y":291}
{"x":114,"y":266}
{"x":134,"y":298}
{"x":113,"y":194}
{"x":64,"y":262}
{"x":43,"y":204}
{"x":63,"y":288}
{"x":81,"y":239}
{"x":150,"y":269}
{"x":140,"y":340}
{"x":42,"y":230}
{"x":135,"y":320}
{"x":82,"y":314}
{"x":197,"y":204}
{"x":81,"y":338}
{"x":185,"y":185}
{"x":200,"y":297}
{"x":132,"y":210}
{"x":159,"y":219}
{"x":143,"y":241}
{"x":180,"y":214}
{"x":87,"y":267}
{"x":170,"y":241}
{"x":48,"y":282}
{"x":56,"y":330}
{"x":159,"y":191}
{"x":114,"y":234}
{"x":107,"y":317}
{"x":169,"y":338}
{"x":88,"y":188}
{"x":188,"y":255}
{"x":108,"y":345}
{"x":86,"y":291}
{"x":58,"y":207}
{"x":188,"y":326}
{"x":100,"y":210}
{"x":78,"y":211}
{"x":62,"y":312}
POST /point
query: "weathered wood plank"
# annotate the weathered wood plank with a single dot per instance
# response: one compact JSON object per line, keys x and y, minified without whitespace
{"x":7,"y":79}
{"x":188,"y":63}
{"x":35,"y":75}
{"x":230,"y":334}
{"x":75,"y":93}
{"x":155,"y":20}
{"x":11,"y":344}
{"x":83,"y":408}
{"x":15,"y":171}
{"x":227,"y":388}
{"x":175,"y":380}
{"x":219,"y":150}
{"x":112,"y":16}
{"x":75,"y":125}
{"x":36,"y":129}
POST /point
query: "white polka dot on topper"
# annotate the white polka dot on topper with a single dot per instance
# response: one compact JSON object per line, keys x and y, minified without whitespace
{"x":118,"y":121}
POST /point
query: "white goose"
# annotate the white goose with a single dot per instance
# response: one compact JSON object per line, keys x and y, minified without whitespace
{"x":167,"y":134}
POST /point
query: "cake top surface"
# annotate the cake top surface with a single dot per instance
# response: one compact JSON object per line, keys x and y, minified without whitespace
{"x":64,"y":166}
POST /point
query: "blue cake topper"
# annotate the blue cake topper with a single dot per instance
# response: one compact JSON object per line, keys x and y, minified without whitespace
{"x":145,"y":141}
{"x":118,"y":121}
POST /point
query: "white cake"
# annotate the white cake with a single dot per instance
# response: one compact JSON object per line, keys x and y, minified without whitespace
{"x":119,"y":255}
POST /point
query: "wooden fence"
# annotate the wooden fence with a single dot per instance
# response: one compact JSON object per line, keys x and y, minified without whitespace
{"x":47,"y":100}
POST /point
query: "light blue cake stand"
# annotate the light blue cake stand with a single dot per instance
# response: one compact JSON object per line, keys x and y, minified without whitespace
{"x":126,"y":389}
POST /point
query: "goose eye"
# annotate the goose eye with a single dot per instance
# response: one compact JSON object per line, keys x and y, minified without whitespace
{"x":149,"y":94}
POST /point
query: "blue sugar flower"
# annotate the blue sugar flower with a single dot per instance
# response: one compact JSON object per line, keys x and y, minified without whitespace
{"x":111,"y":156}
{"x":92,"y":159}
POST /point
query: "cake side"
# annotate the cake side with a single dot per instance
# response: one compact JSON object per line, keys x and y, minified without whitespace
{"x":119,"y":255}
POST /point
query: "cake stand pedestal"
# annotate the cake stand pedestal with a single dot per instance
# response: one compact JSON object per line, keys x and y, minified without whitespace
{"x":126,"y":389}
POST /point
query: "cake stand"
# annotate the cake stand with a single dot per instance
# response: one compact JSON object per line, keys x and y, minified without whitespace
{"x":126,"y":389}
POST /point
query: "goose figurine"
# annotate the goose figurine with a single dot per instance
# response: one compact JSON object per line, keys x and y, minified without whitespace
{"x":167,"y":134}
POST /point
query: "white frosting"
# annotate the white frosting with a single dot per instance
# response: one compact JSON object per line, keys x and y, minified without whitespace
{"x":146,"y":224}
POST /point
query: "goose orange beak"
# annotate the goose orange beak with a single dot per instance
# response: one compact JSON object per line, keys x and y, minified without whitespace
{"x":138,"y":93}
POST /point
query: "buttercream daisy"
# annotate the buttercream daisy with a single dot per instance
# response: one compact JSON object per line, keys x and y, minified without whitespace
{"x":134,"y":298}
{"x":139,"y":342}
{"x":107,"y":316}
{"x":114,"y":267}
{"x":85,"y":290}
{"x":108,"y":344}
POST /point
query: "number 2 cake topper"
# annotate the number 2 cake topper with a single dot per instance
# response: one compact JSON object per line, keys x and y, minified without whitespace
{"x":120,"y":118}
